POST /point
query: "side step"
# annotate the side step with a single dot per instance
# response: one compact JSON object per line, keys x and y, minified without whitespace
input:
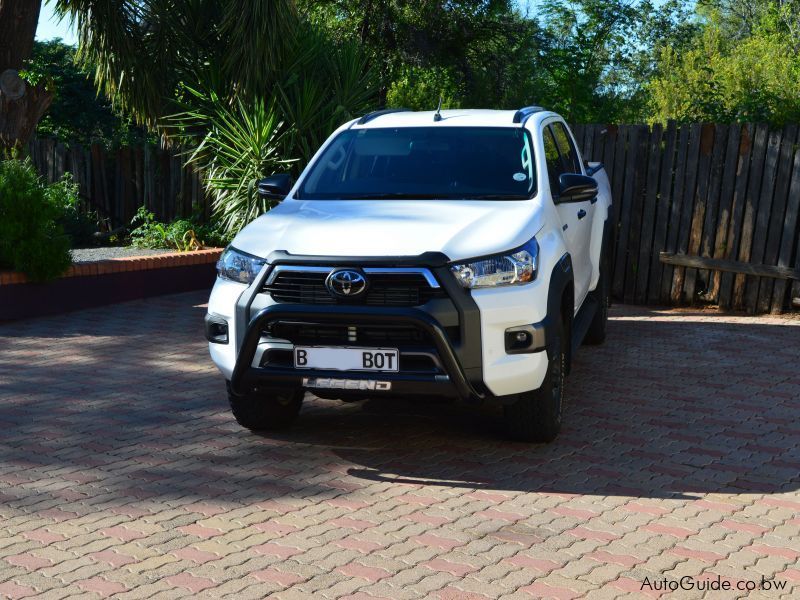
{"x":583,"y":320}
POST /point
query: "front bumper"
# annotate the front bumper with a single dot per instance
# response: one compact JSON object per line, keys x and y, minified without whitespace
{"x":465,"y":334}
{"x":452,"y":382}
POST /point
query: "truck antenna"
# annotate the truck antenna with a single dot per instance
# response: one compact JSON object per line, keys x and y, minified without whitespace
{"x":438,"y":116}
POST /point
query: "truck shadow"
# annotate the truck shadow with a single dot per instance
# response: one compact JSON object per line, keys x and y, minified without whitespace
{"x":667,"y":408}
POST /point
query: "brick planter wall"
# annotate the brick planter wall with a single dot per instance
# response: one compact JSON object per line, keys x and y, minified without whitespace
{"x":107,"y":281}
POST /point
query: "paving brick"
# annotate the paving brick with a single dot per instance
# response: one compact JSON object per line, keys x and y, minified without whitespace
{"x":679,"y":461}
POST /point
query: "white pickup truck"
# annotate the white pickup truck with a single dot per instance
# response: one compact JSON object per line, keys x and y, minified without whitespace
{"x":459,"y":254}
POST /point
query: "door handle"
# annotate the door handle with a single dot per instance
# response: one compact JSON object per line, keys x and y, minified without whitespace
{"x":581,"y":213}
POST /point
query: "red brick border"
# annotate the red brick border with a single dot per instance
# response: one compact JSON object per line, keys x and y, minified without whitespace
{"x":104,"y":282}
{"x":129,"y":263}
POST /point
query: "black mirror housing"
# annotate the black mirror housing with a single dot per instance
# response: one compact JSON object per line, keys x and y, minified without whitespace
{"x":576,"y":188}
{"x":275,"y":187}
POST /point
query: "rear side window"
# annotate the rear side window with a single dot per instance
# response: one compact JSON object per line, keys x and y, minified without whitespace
{"x":566,"y":148}
{"x":555,"y":167}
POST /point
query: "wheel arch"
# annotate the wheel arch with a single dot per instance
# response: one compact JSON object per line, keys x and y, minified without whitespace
{"x":561,"y":306}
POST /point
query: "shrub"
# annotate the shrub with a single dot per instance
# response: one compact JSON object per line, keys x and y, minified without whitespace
{"x":31,"y":241}
{"x":79,"y":226}
{"x":182,"y":235}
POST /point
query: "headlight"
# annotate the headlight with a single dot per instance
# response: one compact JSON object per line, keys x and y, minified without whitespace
{"x":514,"y":268}
{"x":236,"y":265}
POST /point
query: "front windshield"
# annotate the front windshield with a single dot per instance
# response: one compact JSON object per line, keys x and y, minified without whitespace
{"x":492,"y":163}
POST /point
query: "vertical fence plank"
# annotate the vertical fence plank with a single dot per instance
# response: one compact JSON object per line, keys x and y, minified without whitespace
{"x":733,"y":239}
{"x":617,"y":186}
{"x":762,"y":219}
{"x":707,"y":139}
{"x":164,"y":182}
{"x":598,"y":144}
{"x":648,"y":213}
{"x":138,"y":179}
{"x":757,"y":162}
{"x":663,"y":197}
{"x":627,"y":198}
{"x":675,"y":211}
{"x":696,"y":134}
{"x":713,"y":215}
{"x":775,"y":216}
{"x":795,"y":293}
{"x":588,"y":141}
{"x":636,"y":207}
{"x":59,"y":161}
{"x":578,"y":132}
{"x":725,"y":205}
{"x":609,"y":145}
{"x":790,"y":235}
{"x":683,"y":204}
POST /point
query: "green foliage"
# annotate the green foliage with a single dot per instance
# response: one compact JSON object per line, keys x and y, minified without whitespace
{"x":239,"y":141}
{"x":31,"y":241}
{"x":473,"y":52}
{"x":323,"y":85}
{"x":79,"y":225}
{"x":78,"y":113}
{"x":721,"y":78}
{"x":240,"y":146}
{"x":251,"y":87}
{"x":183,"y":234}
{"x":417,"y":88}
{"x":142,"y":52}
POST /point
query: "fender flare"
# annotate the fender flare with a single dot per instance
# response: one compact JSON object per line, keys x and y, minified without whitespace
{"x":560,"y":280}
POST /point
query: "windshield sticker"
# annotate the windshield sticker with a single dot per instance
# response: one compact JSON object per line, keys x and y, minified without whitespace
{"x":520,"y":177}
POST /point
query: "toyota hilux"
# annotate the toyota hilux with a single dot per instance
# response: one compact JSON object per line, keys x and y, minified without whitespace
{"x":459,"y":254}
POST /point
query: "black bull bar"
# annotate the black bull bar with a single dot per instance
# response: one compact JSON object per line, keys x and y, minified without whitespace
{"x":245,"y":375}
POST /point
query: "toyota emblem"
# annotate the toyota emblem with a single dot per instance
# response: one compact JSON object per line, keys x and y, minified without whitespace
{"x":346,"y":283}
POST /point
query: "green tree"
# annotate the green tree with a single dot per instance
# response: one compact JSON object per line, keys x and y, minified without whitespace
{"x":142,"y":51}
{"x":22,"y":104}
{"x":78,"y":113}
{"x":742,"y":66}
{"x":225,"y":77}
{"x":471,"y":52}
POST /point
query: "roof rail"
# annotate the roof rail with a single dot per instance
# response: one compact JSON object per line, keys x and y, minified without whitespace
{"x":378,"y":113}
{"x":523,"y":113}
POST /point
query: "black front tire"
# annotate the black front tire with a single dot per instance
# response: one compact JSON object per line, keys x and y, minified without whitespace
{"x":269,"y":410}
{"x":536,"y":416}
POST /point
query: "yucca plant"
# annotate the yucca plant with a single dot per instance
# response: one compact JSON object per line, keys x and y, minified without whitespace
{"x":241,"y":138}
{"x":239,"y":144}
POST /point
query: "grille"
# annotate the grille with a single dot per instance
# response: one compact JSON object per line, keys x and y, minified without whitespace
{"x":316,"y":334}
{"x":400,"y":289}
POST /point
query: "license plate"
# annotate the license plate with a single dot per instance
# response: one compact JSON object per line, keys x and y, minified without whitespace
{"x":347,"y":359}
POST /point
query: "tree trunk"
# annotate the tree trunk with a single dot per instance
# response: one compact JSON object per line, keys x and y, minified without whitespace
{"x":21,"y":105}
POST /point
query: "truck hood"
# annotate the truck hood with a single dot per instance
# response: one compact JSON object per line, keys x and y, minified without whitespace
{"x":459,"y":229}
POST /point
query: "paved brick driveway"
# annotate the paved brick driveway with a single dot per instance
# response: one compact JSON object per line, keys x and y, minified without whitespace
{"x":121,"y":472}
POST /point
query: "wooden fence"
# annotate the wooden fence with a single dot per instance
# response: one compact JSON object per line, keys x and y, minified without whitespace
{"x":724,"y":192}
{"x":115,"y":183}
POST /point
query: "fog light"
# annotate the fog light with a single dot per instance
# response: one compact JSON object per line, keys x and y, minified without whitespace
{"x":216,"y":329}
{"x":525,"y":339}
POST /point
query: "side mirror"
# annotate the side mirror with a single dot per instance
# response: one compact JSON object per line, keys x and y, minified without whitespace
{"x":275,"y":187}
{"x":576,"y":188}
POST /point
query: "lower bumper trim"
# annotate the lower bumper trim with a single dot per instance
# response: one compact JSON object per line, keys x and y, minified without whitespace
{"x":455,"y":383}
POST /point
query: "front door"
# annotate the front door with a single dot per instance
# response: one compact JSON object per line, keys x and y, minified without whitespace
{"x":576,"y":217}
